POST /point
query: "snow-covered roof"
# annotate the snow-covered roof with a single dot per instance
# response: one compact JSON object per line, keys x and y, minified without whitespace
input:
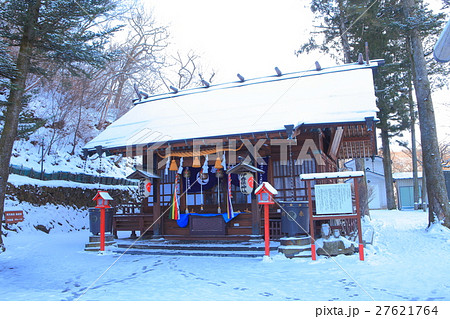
{"x":405,"y":175}
{"x":332,"y":95}
{"x":104,"y":195}
{"x":346,"y":174}
{"x":138,"y":174}
{"x":267,"y":186}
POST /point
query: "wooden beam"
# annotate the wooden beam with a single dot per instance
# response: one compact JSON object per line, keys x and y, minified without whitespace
{"x":336,"y":143}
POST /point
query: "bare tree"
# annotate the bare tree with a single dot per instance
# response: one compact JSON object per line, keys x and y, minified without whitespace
{"x":137,"y":60}
{"x":185,"y":71}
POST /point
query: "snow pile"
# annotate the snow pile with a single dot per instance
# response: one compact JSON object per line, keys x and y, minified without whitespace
{"x":49,"y":218}
{"x":347,"y":243}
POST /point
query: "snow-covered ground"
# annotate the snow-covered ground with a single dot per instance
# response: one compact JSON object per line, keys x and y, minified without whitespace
{"x":405,"y":263}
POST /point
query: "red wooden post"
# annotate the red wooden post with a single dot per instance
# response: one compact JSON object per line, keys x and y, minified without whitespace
{"x":311,"y":220}
{"x":266,"y":230}
{"x":102,"y":229}
{"x":102,"y":199}
{"x":265,"y":193}
{"x":358,"y":212}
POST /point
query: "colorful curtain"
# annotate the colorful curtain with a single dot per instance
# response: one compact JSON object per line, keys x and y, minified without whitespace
{"x":229,"y":196}
{"x":175,"y":205}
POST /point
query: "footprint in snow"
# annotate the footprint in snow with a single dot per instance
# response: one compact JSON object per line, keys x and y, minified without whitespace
{"x":289,"y":298}
{"x":146,"y":271}
{"x":214,"y":283}
{"x":266,"y":294}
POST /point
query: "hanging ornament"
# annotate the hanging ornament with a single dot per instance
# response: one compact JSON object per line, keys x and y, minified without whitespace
{"x":205,"y":165}
{"x":166,"y":170}
{"x":218,"y":163}
{"x":196,"y":162}
{"x":219,"y":173}
{"x":173,"y":166}
{"x":203,"y":176}
{"x":186,"y":173}
{"x":180,"y":168}
{"x":224,"y":162}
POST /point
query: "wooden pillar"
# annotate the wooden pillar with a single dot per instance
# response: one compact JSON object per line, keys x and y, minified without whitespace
{"x":358,"y":219}
{"x":311,"y":220}
{"x":157,"y":219}
{"x":256,"y":213}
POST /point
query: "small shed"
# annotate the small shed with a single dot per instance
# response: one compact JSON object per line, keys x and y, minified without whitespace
{"x":404,"y":185}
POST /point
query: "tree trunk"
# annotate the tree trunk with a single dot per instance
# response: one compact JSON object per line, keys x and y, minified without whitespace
{"x":14,"y":102}
{"x":437,"y":193}
{"x":414,"y":153}
{"x":412,"y":116}
{"x":343,"y":32}
{"x":387,"y":165}
{"x":362,"y":188}
{"x":79,"y":118}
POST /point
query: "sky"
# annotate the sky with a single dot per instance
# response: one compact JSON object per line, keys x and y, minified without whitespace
{"x":247,"y":37}
{"x":252,"y":37}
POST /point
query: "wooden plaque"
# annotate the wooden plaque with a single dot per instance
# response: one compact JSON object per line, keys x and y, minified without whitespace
{"x":333,"y":199}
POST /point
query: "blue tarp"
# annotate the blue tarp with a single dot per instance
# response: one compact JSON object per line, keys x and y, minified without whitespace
{"x":184,"y":218}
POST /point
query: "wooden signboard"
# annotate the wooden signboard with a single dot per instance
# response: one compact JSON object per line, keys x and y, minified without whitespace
{"x":333,"y":199}
{"x":13,"y":217}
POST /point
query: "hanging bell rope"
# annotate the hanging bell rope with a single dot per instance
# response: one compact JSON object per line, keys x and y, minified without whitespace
{"x":218,"y":163}
{"x":196,"y":162}
{"x":207,"y":151}
{"x":173,"y":166}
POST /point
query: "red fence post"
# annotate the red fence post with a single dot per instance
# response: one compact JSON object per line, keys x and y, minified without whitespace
{"x":102,"y":229}
{"x":266,"y":230}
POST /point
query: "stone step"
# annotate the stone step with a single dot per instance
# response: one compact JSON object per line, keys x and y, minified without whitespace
{"x":293,"y":251}
{"x":96,"y":238}
{"x":295,"y":247}
{"x":193,"y":247}
{"x":107,"y":243}
{"x":162,"y":252}
{"x":297,"y":241}
{"x":93,"y":249}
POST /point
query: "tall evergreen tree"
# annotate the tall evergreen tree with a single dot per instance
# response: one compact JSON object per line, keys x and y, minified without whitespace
{"x":379,"y":24}
{"x":67,"y":33}
{"x":439,"y":208}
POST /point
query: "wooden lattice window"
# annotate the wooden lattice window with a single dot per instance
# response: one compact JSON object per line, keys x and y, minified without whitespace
{"x":287,"y":180}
